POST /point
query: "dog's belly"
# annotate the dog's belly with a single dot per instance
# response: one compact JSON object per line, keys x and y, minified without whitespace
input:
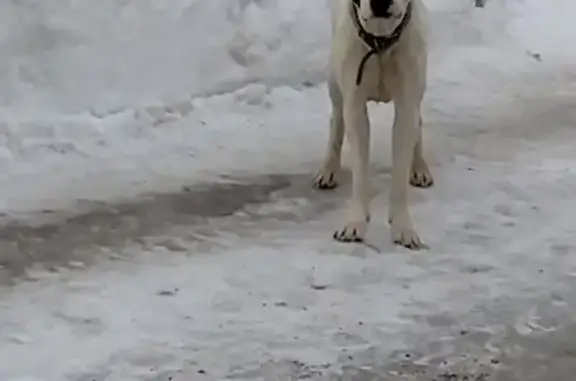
{"x":379,"y":81}
{"x":379,"y":91}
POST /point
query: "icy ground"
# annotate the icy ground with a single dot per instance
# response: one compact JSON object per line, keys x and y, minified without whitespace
{"x":181,"y":240}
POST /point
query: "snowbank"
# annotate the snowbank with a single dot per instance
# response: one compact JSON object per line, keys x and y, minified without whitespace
{"x":73,"y":55}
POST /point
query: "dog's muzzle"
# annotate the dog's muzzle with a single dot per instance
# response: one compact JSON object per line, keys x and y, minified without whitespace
{"x":376,"y":44}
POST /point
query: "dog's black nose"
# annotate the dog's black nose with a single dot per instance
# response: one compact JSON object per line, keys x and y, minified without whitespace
{"x":381,"y":8}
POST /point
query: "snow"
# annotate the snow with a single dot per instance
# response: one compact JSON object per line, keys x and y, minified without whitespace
{"x":84,"y":87}
{"x":109,"y":100}
{"x":79,"y":55}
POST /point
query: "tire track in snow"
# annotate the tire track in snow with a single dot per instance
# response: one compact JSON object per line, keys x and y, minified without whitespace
{"x":56,"y":240}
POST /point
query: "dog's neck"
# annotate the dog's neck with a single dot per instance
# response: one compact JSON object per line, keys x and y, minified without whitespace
{"x":377,"y":44}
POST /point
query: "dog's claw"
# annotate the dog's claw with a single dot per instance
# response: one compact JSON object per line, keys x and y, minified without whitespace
{"x":421,"y":180}
{"x":421,"y":177}
{"x":325,"y":180}
{"x":353,"y":232}
{"x":407,"y":238}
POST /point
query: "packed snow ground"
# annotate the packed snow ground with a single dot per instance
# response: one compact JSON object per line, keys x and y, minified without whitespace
{"x":244,"y":296}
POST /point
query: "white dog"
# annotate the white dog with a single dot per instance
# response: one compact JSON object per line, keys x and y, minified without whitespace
{"x":378,"y":53}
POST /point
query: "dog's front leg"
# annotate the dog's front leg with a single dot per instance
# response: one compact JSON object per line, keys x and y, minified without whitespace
{"x":404,"y":137}
{"x":357,"y":129}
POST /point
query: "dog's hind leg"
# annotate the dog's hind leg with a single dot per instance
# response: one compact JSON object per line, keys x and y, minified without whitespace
{"x":326,"y":177}
{"x":357,"y":128}
{"x":420,"y":175}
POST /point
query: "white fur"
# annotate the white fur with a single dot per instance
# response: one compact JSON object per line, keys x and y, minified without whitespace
{"x":398,"y":75}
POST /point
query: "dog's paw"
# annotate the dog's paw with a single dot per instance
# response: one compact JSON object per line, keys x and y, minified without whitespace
{"x":421,"y":177}
{"x":352,"y":232}
{"x":325,"y":179}
{"x":404,"y":235}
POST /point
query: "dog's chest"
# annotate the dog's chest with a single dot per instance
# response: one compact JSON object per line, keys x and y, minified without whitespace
{"x":378,"y":78}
